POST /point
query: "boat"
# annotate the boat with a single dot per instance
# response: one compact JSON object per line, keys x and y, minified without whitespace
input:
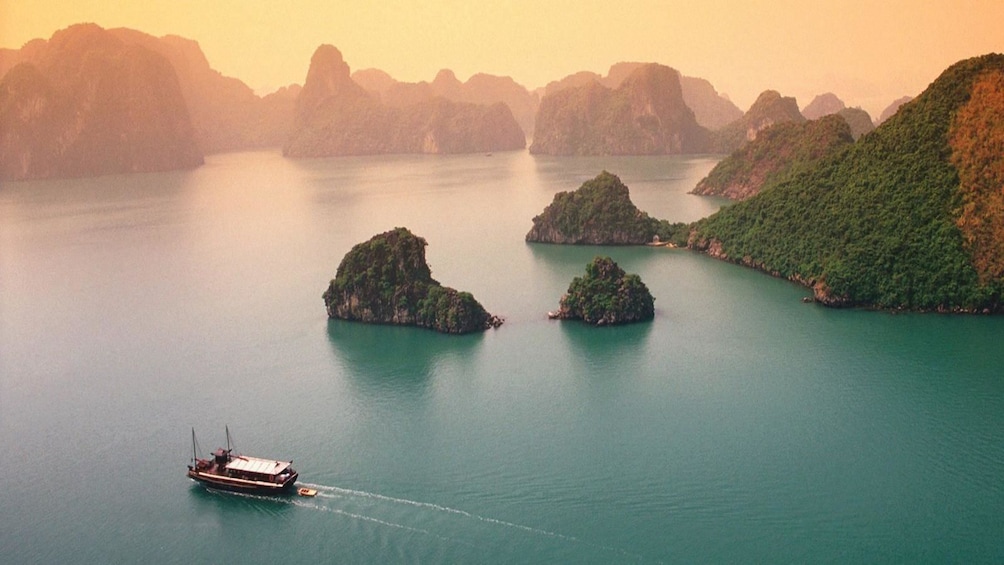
{"x":241,"y":473}
{"x":304,"y":491}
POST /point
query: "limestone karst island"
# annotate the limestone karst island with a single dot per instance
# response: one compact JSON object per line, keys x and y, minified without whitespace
{"x":386,"y":280}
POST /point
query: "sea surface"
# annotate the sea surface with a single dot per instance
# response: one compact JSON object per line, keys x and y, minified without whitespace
{"x":740,"y":426}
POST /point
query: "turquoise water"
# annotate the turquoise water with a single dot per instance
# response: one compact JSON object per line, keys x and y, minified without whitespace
{"x":740,"y":426}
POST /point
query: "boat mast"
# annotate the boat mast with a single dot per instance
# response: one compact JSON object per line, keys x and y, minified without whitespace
{"x":195,"y":454}
{"x":227,"y":428}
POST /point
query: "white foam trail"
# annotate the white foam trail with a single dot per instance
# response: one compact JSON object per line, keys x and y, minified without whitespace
{"x":328,"y":491}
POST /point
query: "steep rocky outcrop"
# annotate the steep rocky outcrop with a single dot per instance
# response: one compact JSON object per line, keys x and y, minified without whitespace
{"x":226,"y":114}
{"x":600,"y":212}
{"x":711,"y":109}
{"x":892,"y":108}
{"x":823,"y":105}
{"x":827,"y":104}
{"x":645,"y":115}
{"x":386,"y":280}
{"x":770,"y":108}
{"x":777,"y":150}
{"x":481,"y":89}
{"x":858,"y":119}
{"x":908,"y":217}
{"x":86,"y":103}
{"x":606,"y":295}
{"x":337,"y":116}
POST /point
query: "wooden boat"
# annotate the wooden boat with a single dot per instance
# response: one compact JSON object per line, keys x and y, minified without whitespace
{"x":241,"y":473}
{"x":303,"y":491}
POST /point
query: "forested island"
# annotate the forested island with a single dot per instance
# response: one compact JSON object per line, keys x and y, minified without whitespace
{"x":606,"y":295}
{"x":780,"y":149}
{"x":911,"y":216}
{"x":600,"y":212}
{"x":386,"y":280}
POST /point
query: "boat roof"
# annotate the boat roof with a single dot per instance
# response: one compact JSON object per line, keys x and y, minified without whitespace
{"x":258,"y":465}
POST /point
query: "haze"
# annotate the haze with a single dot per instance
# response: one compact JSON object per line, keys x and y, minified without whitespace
{"x":867,"y":53}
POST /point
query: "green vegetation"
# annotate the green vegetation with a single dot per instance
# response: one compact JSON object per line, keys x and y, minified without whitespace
{"x":876,"y":223}
{"x":778,"y":150}
{"x":386,"y":280}
{"x":600,"y":212}
{"x":607,"y":295}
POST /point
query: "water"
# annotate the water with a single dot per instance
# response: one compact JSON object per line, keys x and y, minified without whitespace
{"x":740,"y":425}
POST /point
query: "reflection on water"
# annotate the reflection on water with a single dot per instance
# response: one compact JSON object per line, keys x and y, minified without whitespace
{"x":382,"y":358}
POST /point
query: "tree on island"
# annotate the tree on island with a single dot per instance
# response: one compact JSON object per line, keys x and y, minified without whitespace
{"x":600,"y":212}
{"x":386,"y":280}
{"x":606,"y":295}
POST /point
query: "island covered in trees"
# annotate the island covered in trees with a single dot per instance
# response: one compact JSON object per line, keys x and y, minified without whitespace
{"x":606,"y":295}
{"x":600,"y":212}
{"x":386,"y":280}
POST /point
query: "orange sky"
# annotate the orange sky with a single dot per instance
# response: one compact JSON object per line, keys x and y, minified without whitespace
{"x":867,"y":53}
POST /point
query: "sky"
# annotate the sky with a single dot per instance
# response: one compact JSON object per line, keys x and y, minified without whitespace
{"x":867,"y":53}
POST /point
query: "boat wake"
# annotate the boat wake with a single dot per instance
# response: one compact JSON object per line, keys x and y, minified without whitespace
{"x":335,"y":493}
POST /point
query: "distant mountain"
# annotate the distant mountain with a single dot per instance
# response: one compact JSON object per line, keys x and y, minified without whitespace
{"x":481,"y":89}
{"x":87,"y":103}
{"x":770,"y":108}
{"x":337,"y":116}
{"x":858,"y":119}
{"x":711,"y":109}
{"x":892,"y":109}
{"x":823,"y":105}
{"x":911,"y":216}
{"x":778,"y":150}
{"x":645,"y":115}
{"x":226,"y":113}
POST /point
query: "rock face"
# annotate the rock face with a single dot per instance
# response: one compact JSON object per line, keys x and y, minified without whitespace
{"x":858,"y":119}
{"x":770,"y":108}
{"x":386,"y":280}
{"x":712,"y":110}
{"x":606,"y":295}
{"x":892,"y":108}
{"x":911,"y":216}
{"x":645,"y":115}
{"x":600,"y":212}
{"x":86,"y":103}
{"x":226,"y":114}
{"x":823,"y":105}
{"x":778,"y":150}
{"x":480,"y":89}
{"x":336,"y":116}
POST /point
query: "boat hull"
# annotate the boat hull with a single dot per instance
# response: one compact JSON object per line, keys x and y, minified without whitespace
{"x":219,"y":482}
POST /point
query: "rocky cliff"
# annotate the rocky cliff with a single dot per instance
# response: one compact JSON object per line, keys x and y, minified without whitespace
{"x":226,"y":114}
{"x":600,"y":212}
{"x":823,"y":105}
{"x":911,"y":216}
{"x":606,"y":295}
{"x":337,"y":116}
{"x":769,"y":108}
{"x":777,"y":150}
{"x":645,"y":115}
{"x":711,"y":109}
{"x":481,"y":89}
{"x":386,"y":280}
{"x":86,"y":103}
{"x":858,"y":119}
{"x":892,"y":108}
